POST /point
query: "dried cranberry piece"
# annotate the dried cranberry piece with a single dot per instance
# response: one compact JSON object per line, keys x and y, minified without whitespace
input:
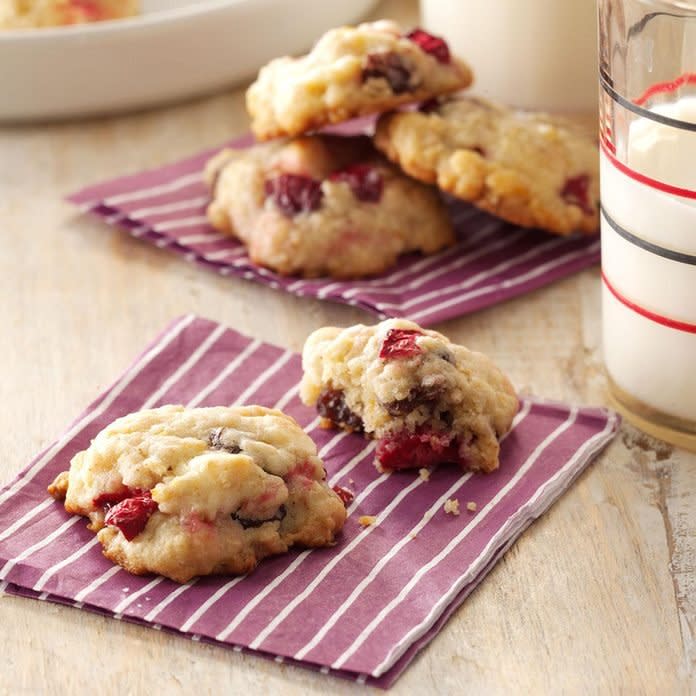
{"x":88,"y":8}
{"x":576,"y":192}
{"x":365,"y":181}
{"x":344,"y":494}
{"x":418,"y":396}
{"x":332,"y":405}
{"x":294,"y":193}
{"x":406,"y":450}
{"x":391,"y":67}
{"x":108,"y":500}
{"x":433,"y":45}
{"x":131,"y":515}
{"x":400,"y":343}
{"x":303,"y":470}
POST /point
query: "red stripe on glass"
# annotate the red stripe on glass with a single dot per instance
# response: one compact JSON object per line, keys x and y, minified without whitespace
{"x":658,"y":318}
{"x":653,"y":183}
{"x":661,"y":87}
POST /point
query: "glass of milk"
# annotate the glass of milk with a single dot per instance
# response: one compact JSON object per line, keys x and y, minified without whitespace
{"x":531,"y":54}
{"x":647,"y":78}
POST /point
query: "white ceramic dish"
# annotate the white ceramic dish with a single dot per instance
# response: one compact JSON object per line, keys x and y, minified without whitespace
{"x":175,"y":49}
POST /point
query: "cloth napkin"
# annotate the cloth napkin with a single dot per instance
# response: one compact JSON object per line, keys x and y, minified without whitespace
{"x":492,"y":261}
{"x":361,"y":609}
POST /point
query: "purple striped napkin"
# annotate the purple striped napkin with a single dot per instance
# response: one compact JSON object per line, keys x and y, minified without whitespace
{"x":361,"y":609}
{"x":493,"y":261}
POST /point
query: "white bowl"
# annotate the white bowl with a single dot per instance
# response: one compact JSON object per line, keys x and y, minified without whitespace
{"x":175,"y":49}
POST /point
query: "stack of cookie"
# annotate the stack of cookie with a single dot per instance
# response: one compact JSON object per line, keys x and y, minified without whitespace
{"x":319,"y":204}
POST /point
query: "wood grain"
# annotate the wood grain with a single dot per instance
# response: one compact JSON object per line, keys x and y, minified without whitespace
{"x":599,"y":596}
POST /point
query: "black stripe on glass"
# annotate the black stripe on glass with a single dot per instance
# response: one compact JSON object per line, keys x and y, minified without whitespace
{"x":641,"y":111}
{"x":638,"y":27}
{"x":648,"y":246}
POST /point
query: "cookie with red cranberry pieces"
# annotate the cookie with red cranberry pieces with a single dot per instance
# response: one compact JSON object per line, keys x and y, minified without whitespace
{"x":188,"y":492}
{"x":324,"y":205}
{"x":33,"y":14}
{"x":352,"y":71}
{"x":425,"y":399}
{"x":531,"y":169}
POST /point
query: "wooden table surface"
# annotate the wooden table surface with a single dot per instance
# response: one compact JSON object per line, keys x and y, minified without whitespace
{"x":599,"y":596}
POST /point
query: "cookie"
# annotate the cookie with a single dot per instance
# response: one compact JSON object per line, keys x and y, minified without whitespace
{"x":187,"y":492}
{"x":323,"y":205}
{"x":530,"y":169}
{"x":425,"y":399}
{"x":351,"y":71}
{"x":23,"y":14}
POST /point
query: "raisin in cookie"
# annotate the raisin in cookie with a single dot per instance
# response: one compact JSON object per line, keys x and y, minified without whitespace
{"x":351,"y":71}
{"x":426,"y":399}
{"x":24,"y":14}
{"x":531,"y":169}
{"x":186,"y":492}
{"x":323,"y":205}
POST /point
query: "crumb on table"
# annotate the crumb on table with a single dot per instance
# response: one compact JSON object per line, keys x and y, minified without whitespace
{"x":471,"y":506}
{"x":452,"y":506}
{"x":367,"y":520}
{"x":424,"y":474}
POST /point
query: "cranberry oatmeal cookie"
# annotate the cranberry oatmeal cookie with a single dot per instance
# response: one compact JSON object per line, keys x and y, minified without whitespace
{"x":24,"y":14}
{"x":426,"y":399}
{"x":530,"y":169}
{"x":352,"y":71}
{"x":323,"y":205}
{"x":186,"y":492}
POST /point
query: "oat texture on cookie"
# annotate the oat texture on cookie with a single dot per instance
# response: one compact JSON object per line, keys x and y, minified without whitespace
{"x":323,"y":205}
{"x":188,"y":492}
{"x":426,"y":399}
{"x":531,"y":169}
{"x":352,"y":71}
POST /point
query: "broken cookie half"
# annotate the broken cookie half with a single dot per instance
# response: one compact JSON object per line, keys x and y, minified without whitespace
{"x":426,"y":399}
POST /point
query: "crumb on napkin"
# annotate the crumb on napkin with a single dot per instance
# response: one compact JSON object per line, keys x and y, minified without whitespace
{"x":452,"y":506}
